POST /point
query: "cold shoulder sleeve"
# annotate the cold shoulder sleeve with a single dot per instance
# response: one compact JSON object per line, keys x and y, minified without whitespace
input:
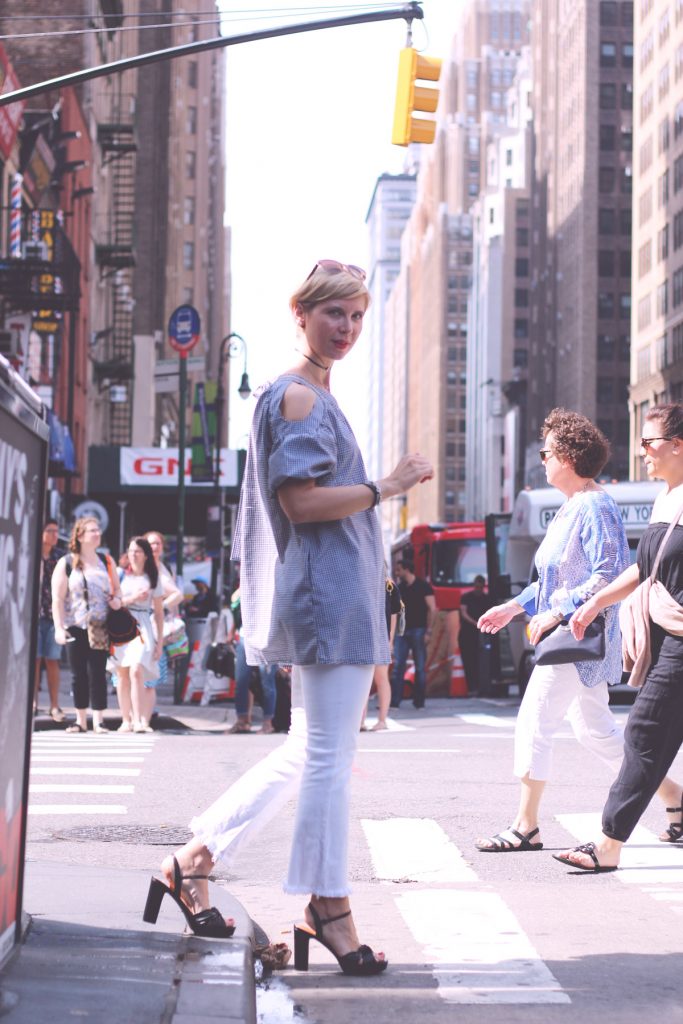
{"x":302,"y":449}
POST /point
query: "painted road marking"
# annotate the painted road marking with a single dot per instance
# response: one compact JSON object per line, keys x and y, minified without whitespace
{"x":86,"y":759}
{"x":414,"y":850}
{"x":491,"y":720}
{"x":64,"y":770}
{"x":479,"y":952}
{"x":76,"y":809}
{"x":392,"y":725}
{"x":57,"y":787}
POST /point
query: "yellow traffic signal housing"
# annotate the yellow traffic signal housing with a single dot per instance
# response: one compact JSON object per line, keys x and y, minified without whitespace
{"x":413,"y":67}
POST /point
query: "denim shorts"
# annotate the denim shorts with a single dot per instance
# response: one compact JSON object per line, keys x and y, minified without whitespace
{"x":47,"y":645}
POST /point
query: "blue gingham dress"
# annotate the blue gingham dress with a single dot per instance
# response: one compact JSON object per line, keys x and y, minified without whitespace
{"x":584,"y":549}
{"x":312,"y":593}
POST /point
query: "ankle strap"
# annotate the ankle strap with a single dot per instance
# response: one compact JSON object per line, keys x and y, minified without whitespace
{"x":319,"y":922}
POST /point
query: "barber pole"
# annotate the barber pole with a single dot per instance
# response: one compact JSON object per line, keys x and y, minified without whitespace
{"x":15,"y":217}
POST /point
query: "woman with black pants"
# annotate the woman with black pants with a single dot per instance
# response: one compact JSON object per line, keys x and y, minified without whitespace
{"x":654,"y":733}
{"x":84,"y":587}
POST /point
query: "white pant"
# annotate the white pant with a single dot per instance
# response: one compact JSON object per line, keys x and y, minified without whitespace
{"x":327,"y":705}
{"x":553,"y":692}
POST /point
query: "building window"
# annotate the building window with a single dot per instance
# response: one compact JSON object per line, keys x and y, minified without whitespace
{"x":626,"y":181}
{"x":627,"y":95}
{"x":605,"y":390}
{"x":663,"y":243}
{"x":647,"y":99}
{"x":678,"y":62}
{"x":678,"y":174}
{"x":661,"y":353}
{"x":663,"y":298}
{"x":677,"y":289}
{"x":626,"y":136}
{"x":663,"y":81}
{"x":192,"y":74}
{"x":625,"y":221}
{"x":520,"y":358}
{"x":190,"y":165}
{"x":521,"y":267}
{"x":627,"y":55}
{"x":606,"y":348}
{"x":522,"y":236}
{"x":645,"y":207}
{"x":607,"y":137}
{"x":188,"y":255}
{"x":450,"y":449}
{"x":452,"y":353}
{"x":521,"y":328}
{"x":643,"y":363}
{"x":607,"y":179}
{"x":663,"y":188}
{"x":677,"y":344}
{"x":627,"y":14}
{"x":625,"y":263}
{"x":189,"y":210}
{"x":678,"y":231}
{"x":664,"y":137}
{"x":608,"y":12}
{"x":607,"y":220}
{"x":644,"y":312}
{"x":678,"y":119}
{"x":608,"y":96}
{"x":645,"y":258}
{"x":191,"y":121}
{"x":188,"y":296}
{"x":645,"y":156}
{"x":521,"y":297}
{"x":606,"y":262}
{"x":605,"y":305}
{"x":608,"y":55}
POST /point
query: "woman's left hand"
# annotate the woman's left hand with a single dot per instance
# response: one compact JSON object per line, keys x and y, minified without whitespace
{"x":541,"y":624}
{"x":115,"y":602}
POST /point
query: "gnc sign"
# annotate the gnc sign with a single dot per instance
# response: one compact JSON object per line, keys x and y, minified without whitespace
{"x":158,"y":467}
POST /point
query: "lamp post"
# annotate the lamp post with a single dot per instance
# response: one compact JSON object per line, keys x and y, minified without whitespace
{"x":232,"y":346}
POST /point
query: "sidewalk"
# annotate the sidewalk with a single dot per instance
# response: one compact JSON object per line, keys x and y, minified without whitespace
{"x":97,"y":960}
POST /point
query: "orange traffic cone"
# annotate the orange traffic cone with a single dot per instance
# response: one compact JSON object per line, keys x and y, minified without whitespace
{"x":458,"y":684}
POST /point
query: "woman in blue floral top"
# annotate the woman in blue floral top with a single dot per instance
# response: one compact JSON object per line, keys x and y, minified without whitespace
{"x":584,"y":550}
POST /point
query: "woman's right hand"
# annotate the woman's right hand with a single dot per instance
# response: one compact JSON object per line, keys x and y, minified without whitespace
{"x":61,"y":635}
{"x":498,"y":616}
{"x":410,"y":470}
{"x":583,"y":617}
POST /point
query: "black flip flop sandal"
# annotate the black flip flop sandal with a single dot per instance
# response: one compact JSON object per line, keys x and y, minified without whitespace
{"x":589,"y":849}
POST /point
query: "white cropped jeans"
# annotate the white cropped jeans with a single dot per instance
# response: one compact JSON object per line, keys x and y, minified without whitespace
{"x":327,"y":706}
{"x":553,"y":692}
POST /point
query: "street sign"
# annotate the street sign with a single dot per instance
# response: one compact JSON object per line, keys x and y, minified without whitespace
{"x":169,"y":367}
{"x":183,"y":329}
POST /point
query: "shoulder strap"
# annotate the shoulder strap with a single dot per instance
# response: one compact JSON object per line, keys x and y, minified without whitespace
{"x":660,"y":550}
{"x":68,"y":564}
{"x":111,"y":572}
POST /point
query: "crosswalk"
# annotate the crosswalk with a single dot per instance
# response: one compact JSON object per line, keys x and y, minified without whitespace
{"x":95,"y":773}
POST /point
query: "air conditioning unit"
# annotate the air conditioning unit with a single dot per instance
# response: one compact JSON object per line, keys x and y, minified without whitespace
{"x":34,"y":250}
{"x":10,"y":344}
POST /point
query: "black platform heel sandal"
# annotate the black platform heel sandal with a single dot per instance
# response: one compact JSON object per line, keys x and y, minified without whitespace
{"x":208,"y":923}
{"x":674,"y":832}
{"x":362,"y":962}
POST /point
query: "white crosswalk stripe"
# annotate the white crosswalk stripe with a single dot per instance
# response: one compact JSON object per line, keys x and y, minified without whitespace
{"x":73,"y":765}
{"x":479,"y":952}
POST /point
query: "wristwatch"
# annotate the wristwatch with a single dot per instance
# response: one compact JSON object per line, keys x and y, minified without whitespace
{"x":376,"y":492}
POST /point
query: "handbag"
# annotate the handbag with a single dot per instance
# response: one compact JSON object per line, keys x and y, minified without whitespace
{"x":122,"y":626}
{"x":174,"y":630}
{"x":561,"y":648}
{"x":98,"y":636}
{"x":220,"y":659}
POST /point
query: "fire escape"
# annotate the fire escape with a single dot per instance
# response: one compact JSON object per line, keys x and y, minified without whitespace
{"x":116,"y":260}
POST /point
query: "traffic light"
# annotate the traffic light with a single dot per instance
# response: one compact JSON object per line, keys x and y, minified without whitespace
{"x":413,"y":67}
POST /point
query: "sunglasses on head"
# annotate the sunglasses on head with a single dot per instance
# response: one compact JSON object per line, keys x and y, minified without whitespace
{"x":646,"y":442}
{"x":335,"y":267}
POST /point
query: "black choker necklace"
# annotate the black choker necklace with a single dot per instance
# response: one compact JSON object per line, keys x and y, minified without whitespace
{"x":315,"y":362}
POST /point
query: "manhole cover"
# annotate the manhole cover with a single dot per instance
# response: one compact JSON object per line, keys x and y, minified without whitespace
{"x":139,"y":835}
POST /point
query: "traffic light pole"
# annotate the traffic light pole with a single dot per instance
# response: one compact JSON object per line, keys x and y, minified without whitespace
{"x":182,"y":413}
{"x":407,"y":11}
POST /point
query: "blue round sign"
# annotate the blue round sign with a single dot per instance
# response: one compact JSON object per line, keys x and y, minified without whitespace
{"x":183,"y":329}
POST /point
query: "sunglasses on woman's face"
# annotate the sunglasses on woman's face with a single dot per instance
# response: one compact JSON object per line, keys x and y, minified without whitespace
{"x":545,"y":454}
{"x":334,"y":267}
{"x":646,"y":442}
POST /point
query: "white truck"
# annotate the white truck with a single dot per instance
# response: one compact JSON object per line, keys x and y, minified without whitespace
{"x":512,"y":540}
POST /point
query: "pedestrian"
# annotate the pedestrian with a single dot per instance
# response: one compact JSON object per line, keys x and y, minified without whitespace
{"x":393,"y":607}
{"x":244,"y":697}
{"x":584,"y":550}
{"x":48,"y":650}
{"x":420,"y":604}
{"x":84,"y":587}
{"x":654,"y":731}
{"x":202,"y":602}
{"x":172,"y":599}
{"x":137,"y":662}
{"x":312,"y":593}
{"x":473,"y":604}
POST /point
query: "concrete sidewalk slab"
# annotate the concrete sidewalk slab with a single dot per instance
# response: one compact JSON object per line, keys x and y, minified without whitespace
{"x":88,"y":954}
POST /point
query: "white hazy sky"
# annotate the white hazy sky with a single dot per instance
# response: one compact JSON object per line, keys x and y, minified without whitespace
{"x":308,"y":133}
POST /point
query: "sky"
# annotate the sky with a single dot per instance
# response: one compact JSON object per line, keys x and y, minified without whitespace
{"x":309,"y":121}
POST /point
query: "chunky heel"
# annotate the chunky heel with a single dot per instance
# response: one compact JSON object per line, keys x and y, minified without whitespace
{"x":155,"y":895}
{"x":301,"y":941}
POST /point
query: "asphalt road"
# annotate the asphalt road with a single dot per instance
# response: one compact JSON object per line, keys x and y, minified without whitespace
{"x":470,"y":936}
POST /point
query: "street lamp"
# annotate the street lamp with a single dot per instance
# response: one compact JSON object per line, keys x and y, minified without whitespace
{"x":232,"y":346}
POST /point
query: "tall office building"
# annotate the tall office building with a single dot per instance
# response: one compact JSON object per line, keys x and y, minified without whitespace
{"x":429,"y":309}
{"x":390,"y":206}
{"x":581,"y":218}
{"x":657,"y":335}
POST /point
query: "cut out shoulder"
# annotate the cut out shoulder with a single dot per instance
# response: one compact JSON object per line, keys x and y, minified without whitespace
{"x":297,"y":402}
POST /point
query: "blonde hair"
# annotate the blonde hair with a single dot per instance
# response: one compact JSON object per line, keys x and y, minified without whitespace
{"x":75,"y":538}
{"x":322,"y":285}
